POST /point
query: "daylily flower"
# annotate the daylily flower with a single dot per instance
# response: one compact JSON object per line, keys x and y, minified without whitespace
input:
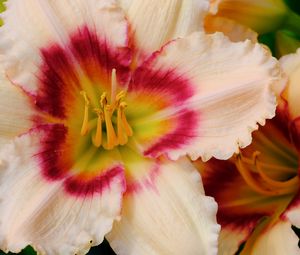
{"x":273,"y":22}
{"x":258,"y":189}
{"x":262,"y":16}
{"x":95,"y":128}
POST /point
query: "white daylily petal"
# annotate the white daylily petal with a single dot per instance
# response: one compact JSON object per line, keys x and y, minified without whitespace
{"x":155,"y":22}
{"x":279,"y":240}
{"x":15,"y":111}
{"x":171,"y":217}
{"x":38,"y":212}
{"x":291,"y":65}
{"x":32,"y":25}
{"x":233,"y":88}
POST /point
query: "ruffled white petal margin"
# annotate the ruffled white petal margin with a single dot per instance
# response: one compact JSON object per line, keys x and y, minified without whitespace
{"x":279,"y":240}
{"x":155,"y":22}
{"x":40,"y":213}
{"x":15,"y":111}
{"x":33,"y":24}
{"x":173,"y":217}
{"x":234,"y":87}
{"x":291,"y":65}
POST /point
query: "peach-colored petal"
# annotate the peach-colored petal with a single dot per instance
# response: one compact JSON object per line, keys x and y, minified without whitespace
{"x":230,"y":86}
{"x":15,"y":111}
{"x":155,"y":22}
{"x":30,"y":26}
{"x":173,"y":216}
{"x":42,"y":213}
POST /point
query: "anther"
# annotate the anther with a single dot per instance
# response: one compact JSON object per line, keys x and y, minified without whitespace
{"x":120,"y":96}
{"x":84,"y":127}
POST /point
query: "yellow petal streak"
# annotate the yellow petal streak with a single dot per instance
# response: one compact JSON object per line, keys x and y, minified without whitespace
{"x":106,"y":116}
{"x":254,"y":175}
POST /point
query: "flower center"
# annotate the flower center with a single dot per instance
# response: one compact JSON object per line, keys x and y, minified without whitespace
{"x":254,"y":172}
{"x":111,"y":118}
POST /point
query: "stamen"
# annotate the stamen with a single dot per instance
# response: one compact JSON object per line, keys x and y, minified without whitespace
{"x":97,"y":141}
{"x":103,"y":100}
{"x":270,"y":187}
{"x":118,"y":99}
{"x":251,"y":182}
{"x":85,"y":126}
{"x":126,"y":126}
{"x":105,"y":113}
{"x":122,"y":136}
{"x":285,"y":169}
{"x":111,"y":135}
{"x":273,"y":183}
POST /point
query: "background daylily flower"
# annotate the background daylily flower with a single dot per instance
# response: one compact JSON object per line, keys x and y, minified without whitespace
{"x":258,"y":196}
{"x":275,"y":21}
{"x":262,"y":16}
{"x":94,"y":134}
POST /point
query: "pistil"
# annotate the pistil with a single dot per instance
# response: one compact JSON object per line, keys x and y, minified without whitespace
{"x":113,"y":85}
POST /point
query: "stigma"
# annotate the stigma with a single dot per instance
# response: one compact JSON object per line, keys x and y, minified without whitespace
{"x":112,"y":128}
